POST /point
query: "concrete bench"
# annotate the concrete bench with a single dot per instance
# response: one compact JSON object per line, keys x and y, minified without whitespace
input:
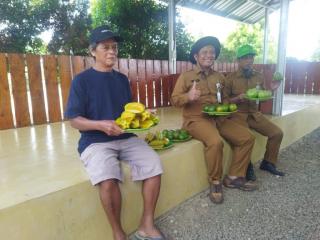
{"x":46,"y":194}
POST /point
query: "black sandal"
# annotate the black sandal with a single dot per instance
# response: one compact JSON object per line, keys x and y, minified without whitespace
{"x":216,"y":195}
{"x":239,"y":183}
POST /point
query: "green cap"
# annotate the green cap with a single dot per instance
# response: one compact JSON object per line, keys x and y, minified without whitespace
{"x":245,"y":50}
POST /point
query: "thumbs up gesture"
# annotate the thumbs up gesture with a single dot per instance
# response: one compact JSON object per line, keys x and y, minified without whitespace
{"x":194,"y":93}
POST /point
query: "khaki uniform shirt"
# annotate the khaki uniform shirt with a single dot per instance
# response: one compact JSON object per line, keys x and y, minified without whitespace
{"x":237,"y":84}
{"x":205,"y":83}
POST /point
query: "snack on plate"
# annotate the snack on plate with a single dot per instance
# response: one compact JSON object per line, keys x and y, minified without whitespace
{"x":157,"y":140}
{"x":177,"y":135}
{"x":220,"y":108}
{"x":254,"y":93}
{"x":135,"y":116}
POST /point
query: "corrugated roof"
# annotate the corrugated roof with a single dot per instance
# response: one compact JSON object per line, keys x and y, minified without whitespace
{"x":247,"y":11}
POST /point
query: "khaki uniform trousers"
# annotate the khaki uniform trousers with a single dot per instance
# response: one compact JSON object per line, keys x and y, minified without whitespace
{"x":239,"y":137}
{"x":265,"y":127}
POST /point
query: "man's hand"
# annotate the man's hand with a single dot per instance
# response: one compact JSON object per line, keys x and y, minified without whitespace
{"x":109,"y":127}
{"x":274,"y":85}
{"x":194,"y":93}
{"x":240,"y":98}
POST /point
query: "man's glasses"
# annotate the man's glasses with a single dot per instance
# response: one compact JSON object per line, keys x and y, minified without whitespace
{"x":113,"y":47}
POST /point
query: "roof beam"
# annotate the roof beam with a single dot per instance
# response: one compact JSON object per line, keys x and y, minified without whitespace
{"x":234,"y":7}
{"x":262,"y":4}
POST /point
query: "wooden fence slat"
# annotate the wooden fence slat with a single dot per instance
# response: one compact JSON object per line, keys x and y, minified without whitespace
{"x":316,"y":84}
{"x":142,"y":81}
{"x":288,"y":78}
{"x":19,"y":89}
{"x":296,"y":78}
{"x":184,"y":66}
{"x":50,"y":73}
{"x":65,"y":78}
{"x":6,"y":118}
{"x":77,"y":65}
{"x":268,"y":71}
{"x":164,"y":67}
{"x":89,"y":61}
{"x":36,"y":89}
{"x":150,"y":81}
{"x":165,"y":90}
{"x":123,"y":66}
{"x":157,"y":83}
{"x":133,"y":75}
{"x":178,"y":67}
{"x":302,"y":79}
{"x":172,"y":84}
{"x":310,"y":78}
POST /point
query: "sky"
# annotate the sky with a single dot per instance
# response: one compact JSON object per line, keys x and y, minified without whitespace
{"x":303,"y":26}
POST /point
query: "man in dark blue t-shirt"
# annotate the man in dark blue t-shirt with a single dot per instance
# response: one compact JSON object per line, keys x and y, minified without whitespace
{"x":97,"y":97}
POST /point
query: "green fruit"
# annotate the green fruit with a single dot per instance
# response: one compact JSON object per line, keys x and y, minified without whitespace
{"x":182,"y":137}
{"x":183,"y":131}
{"x":277,"y":76}
{"x":206,"y":108}
{"x":165,"y":133}
{"x":170,"y":136}
{"x":212,"y":108}
{"x":220,"y":108}
{"x":232,"y":107}
{"x":175,"y":135}
{"x":252,"y":93}
{"x":264,"y":93}
{"x":225,"y":107}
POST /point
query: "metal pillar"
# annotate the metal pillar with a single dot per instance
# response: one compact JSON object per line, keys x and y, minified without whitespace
{"x":266,"y":36}
{"x":172,"y":37}
{"x":281,"y":61}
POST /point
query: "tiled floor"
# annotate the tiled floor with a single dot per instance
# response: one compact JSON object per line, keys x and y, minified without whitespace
{"x":295,"y":102}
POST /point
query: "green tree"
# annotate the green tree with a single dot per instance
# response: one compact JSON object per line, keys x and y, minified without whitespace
{"x":247,"y":34}
{"x":21,"y":22}
{"x":70,"y":24}
{"x":316,"y":55}
{"x":144,"y":26}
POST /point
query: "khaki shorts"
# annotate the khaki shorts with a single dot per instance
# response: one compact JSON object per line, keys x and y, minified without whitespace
{"x":102,"y":160}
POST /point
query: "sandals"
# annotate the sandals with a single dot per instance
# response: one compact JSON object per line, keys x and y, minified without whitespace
{"x":215,"y":194}
{"x":138,"y":236}
{"x":239,"y":183}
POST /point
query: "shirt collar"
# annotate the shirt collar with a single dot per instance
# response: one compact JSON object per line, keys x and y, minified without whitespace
{"x":198,"y":70}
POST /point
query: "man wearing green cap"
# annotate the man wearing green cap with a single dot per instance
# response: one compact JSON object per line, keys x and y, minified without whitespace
{"x":248,"y":115}
{"x":195,"y":89}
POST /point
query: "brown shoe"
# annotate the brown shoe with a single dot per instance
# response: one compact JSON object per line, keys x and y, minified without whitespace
{"x":216,"y":195}
{"x":239,"y":183}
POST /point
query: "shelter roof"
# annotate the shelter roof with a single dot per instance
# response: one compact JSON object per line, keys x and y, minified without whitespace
{"x":247,"y":11}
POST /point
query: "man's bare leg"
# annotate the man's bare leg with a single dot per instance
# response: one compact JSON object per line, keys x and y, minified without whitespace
{"x":150,"y":192}
{"x":110,"y":196}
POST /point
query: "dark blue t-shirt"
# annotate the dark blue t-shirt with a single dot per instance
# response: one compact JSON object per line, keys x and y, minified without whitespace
{"x":98,"y":96}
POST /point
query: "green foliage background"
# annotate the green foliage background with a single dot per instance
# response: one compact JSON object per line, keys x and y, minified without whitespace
{"x":142,"y":23}
{"x":144,"y":26}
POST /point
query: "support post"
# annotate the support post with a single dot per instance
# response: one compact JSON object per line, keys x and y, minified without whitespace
{"x":172,"y":37}
{"x":266,"y":37}
{"x":281,"y":61}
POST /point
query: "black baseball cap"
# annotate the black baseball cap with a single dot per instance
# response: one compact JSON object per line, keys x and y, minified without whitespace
{"x":103,"y":33}
{"x":202,"y":42}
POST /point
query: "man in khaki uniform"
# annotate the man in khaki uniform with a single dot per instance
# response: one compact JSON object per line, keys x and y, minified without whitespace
{"x":195,"y":89}
{"x":248,"y":115}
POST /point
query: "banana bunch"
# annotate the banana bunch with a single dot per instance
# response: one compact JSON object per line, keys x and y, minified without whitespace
{"x":157,"y":140}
